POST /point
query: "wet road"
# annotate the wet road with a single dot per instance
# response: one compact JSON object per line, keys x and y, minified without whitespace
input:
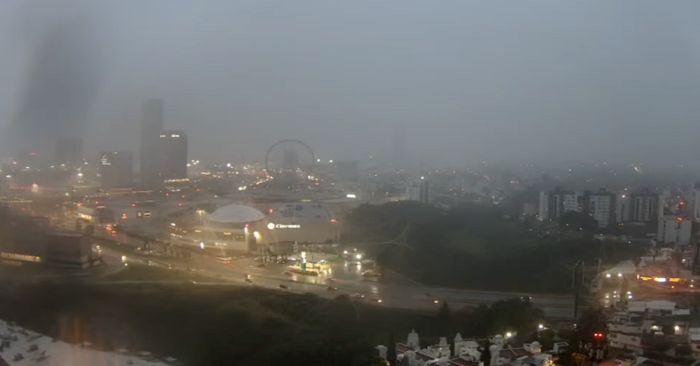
{"x":346,"y":278}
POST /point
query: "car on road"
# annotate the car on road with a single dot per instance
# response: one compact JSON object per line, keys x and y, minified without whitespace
{"x":284,"y":287}
{"x":332,"y":289}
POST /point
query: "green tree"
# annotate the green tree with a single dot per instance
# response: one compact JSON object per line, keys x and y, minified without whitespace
{"x":574,"y":220}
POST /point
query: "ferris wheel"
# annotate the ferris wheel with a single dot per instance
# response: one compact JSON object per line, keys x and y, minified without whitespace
{"x":289,"y":157}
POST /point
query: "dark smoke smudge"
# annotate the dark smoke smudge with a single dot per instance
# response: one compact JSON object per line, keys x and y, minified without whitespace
{"x":60,"y":88}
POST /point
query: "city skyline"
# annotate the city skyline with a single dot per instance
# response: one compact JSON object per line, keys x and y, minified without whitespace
{"x":540,"y":89}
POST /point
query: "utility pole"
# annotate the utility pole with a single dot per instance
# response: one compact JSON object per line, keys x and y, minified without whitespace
{"x":694,"y":268}
{"x":578,"y":281}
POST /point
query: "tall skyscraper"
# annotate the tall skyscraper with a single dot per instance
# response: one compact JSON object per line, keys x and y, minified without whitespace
{"x":172,"y":150}
{"x":116,"y":169}
{"x":151,"y":129}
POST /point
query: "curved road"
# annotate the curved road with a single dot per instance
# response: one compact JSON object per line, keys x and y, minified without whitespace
{"x":390,"y":294}
{"x":346,"y":279}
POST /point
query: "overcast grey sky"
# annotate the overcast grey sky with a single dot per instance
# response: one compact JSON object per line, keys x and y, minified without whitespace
{"x":470,"y":80}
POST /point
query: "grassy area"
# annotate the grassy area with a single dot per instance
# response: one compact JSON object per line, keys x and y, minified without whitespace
{"x":136,"y":272}
{"x":231,"y":325}
{"x":201,"y":325}
{"x":475,"y":247}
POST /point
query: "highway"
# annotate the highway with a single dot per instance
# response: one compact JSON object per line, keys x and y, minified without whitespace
{"x":344,"y":278}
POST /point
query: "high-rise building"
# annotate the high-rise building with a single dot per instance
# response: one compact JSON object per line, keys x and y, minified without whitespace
{"x":151,"y":129}
{"x":69,"y":151}
{"x":116,"y":169}
{"x":623,"y":204}
{"x":600,"y":207}
{"x":560,"y":202}
{"x":696,"y":202}
{"x":172,"y":150}
{"x":424,"y":191}
{"x":418,"y":191}
{"x":674,"y":230}
{"x":645,"y":206}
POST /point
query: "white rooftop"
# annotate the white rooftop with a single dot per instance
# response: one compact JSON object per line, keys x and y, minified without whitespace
{"x":235,"y":214}
{"x":38,"y":349}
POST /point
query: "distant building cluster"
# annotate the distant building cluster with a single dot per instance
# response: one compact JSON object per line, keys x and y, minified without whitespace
{"x":605,"y":207}
{"x":672,"y":215}
{"x":468,"y":352}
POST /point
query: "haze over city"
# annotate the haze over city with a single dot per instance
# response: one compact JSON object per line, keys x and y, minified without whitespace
{"x":540,"y":81}
{"x":349,"y":183}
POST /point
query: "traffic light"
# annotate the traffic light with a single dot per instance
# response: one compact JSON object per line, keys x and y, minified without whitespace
{"x":598,"y":336}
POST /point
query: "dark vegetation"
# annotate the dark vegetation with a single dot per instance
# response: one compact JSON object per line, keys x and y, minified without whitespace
{"x":476,"y":246}
{"x":228,"y":325}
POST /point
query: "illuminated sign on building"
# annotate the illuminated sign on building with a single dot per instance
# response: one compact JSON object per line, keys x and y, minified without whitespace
{"x":272,"y":226}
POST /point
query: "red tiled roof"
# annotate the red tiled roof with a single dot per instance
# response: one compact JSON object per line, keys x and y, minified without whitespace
{"x":401,"y":348}
{"x":513,"y":353}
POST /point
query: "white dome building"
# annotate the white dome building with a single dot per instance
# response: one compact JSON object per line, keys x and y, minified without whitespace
{"x":234,"y":215}
{"x":230,"y":228}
